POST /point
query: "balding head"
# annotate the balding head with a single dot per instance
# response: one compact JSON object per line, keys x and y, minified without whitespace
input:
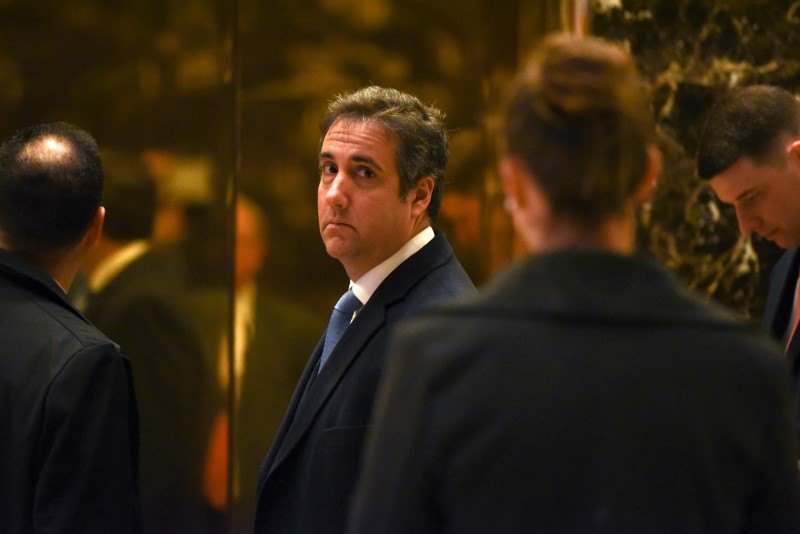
{"x":51,"y":185}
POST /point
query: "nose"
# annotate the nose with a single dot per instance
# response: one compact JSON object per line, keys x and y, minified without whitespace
{"x":748,"y":222}
{"x":337,"y":192}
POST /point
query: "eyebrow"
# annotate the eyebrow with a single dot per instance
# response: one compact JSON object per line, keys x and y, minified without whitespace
{"x":357,"y":158}
{"x":744,"y":194}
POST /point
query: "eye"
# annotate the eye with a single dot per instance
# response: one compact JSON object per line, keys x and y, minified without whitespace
{"x":328,"y":168}
{"x":365,"y":172}
{"x":750,"y":198}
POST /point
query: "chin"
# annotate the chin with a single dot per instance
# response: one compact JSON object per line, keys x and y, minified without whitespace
{"x":334,"y":248}
{"x":784,"y":243}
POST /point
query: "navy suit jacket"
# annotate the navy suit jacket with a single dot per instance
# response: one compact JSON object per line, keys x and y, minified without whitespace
{"x":778,"y":313}
{"x":308,"y":476}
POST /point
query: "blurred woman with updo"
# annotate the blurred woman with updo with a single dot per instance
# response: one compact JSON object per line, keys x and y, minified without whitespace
{"x":585,"y":390}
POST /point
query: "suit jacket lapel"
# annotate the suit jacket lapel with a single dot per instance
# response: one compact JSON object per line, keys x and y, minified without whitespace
{"x":316,"y":394}
{"x":778,"y":308}
{"x":307,"y":378}
{"x":793,"y":351}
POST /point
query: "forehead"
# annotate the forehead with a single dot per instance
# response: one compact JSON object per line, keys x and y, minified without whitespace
{"x":743,"y":176}
{"x":370,"y":137}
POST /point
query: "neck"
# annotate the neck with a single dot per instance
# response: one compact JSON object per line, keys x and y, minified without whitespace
{"x":355,"y":270}
{"x":613,"y":235}
{"x":64,"y":275}
{"x":104,"y":248}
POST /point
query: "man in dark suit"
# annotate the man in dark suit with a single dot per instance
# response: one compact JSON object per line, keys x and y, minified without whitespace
{"x":750,"y":153}
{"x":584,"y":390}
{"x":69,"y":429}
{"x":137,"y":293}
{"x":382,"y":161}
{"x":272,"y":339}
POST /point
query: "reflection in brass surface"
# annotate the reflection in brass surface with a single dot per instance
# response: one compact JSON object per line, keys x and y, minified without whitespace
{"x":152,"y":80}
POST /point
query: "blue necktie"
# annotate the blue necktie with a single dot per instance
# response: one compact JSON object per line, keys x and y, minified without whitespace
{"x":340,"y":320}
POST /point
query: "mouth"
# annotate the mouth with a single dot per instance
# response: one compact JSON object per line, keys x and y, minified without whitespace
{"x":334,"y":225}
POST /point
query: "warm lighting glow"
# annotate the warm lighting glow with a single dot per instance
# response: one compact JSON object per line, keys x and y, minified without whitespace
{"x":47,"y":149}
{"x":52,"y":144}
{"x":575,"y":15}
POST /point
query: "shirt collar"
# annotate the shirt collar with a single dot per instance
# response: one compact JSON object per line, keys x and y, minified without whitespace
{"x":114,"y":264}
{"x":365,"y":286}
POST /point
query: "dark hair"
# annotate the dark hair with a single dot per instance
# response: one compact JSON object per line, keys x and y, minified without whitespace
{"x":51,"y":184}
{"x":578,"y":118}
{"x":130,"y":197}
{"x":422,"y":149}
{"x":745,"y":122}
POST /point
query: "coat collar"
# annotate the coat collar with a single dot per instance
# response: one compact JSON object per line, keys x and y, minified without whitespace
{"x":595,"y":285}
{"x":34,"y":278}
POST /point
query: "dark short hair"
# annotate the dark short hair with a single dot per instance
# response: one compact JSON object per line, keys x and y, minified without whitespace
{"x":422,"y":147}
{"x":745,"y":122}
{"x":577,"y":116}
{"x":51,"y":184}
{"x":130,"y":196}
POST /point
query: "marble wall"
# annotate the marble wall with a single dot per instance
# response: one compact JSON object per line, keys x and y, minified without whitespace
{"x":689,"y":50}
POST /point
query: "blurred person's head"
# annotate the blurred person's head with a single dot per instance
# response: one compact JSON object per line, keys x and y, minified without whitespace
{"x":252,"y":240}
{"x":185,"y":186}
{"x":130,"y":197}
{"x":577,"y":146}
{"x":51,"y":186}
{"x":749,"y":151}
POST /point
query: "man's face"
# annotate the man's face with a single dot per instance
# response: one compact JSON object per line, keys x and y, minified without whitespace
{"x":766,"y":197}
{"x":362,"y":218}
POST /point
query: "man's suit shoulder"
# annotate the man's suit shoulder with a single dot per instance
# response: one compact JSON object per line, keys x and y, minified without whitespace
{"x":432,"y":274}
{"x":48,"y":336}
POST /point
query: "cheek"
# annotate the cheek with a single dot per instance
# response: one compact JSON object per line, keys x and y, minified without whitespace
{"x":776,"y":206}
{"x":321,"y":196}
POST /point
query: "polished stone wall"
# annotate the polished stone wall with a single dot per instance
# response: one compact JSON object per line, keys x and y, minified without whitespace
{"x":689,"y":50}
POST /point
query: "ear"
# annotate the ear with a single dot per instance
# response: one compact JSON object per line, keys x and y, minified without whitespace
{"x":512,"y":174}
{"x":651,"y":174}
{"x":420,"y":195}
{"x":794,"y":150}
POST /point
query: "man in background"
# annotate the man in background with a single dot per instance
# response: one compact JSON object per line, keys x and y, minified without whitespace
{"x":749,"y":152}
{"x":137,"y":295}
{"x":382,"y":162}
{"x":69,"y":430}
{"x":272,"y":337}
